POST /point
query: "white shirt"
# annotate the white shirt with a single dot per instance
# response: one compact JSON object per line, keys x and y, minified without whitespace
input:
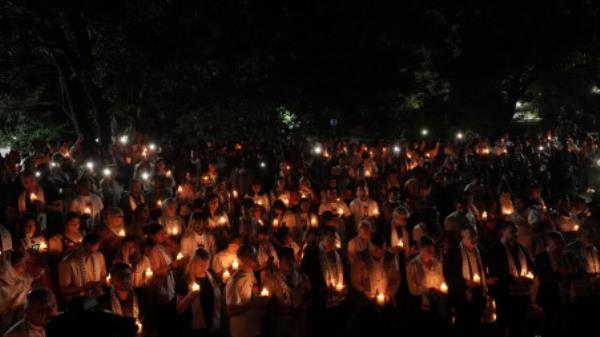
{"x":363,"y":209}
{"x":223,"y":260}
{"x":239,"y":292}
{"x":192,"y":241}
{"x":79,"y":204}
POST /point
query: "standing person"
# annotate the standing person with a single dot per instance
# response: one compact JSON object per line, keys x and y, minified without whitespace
{"x":361,"y":242}
{"x":227,"y":259}
{"x":163,"y":281}
{"x":40,"y":307}
{"x":121,"y":299}
{"x":510,"y":263}
{"x":466,"y":275}
{"x":112,"y":232}
{"x":133,"y":198}
{"x":196,"y":236}
{"x":427,"y":284}
{"x":86,"y":203}
{"x":327,"y":273}
{"x":199,"y":307}
{"x":363,"y":206}
{"x":375,"y":278}
{"x":554,"y":268}
{"x":291,"y":298}
{"x":83,"y":272}
{"x":69,"y":239}
{"x":244,"y":306}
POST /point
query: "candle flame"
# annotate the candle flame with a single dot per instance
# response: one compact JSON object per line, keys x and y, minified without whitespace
{"x":264,"y":292}
{"x":179,"y":256}
{"x":235,"y":265}
{"x":195,"y":287}
{"x":444,"y":288}
{"x":226,"y":275}
{"x":148,"y":273}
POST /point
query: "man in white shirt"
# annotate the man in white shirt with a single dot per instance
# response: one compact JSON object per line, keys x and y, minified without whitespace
{"x":227,"y":259}
{"x":39,"y":309}
{"x":363,"y":207}
{"x":361,"y":242}
{"x":83,"y":272}
{"x":197,"y":237}
{"x":245,"y":306}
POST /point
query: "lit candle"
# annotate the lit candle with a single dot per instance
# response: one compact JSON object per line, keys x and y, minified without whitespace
{"x":174,"y":231}
{"x":264,"y":292}
{"x":121,"y":233}
{"x":313,"y":221}
{"x":108,"y":279}
{"x":195,"y":287}
{"x":380,"y":299}
{"x":168,"y":173}
{"x":259,"y":202}
{"x":400,"y":244}
{"x":340,"y":211}
{"x":180,"y":189}
{"x":367,"y":173}
{"x":43,"y":246}
{"x":222,"y":220}
{"x":376,"y":212}
{"x":529,"y":275}
{"x":226,"y":276}
{"x":235,"y":265}
{"x":159,"y":204}
{"x":87,"y":210}
{"x":179,"y":256}
{"x":576,"y":228}
{"x":33,"y":197}
{"x":444,"y":288}
{"x":476,"y":278}
{"x":339,"y":286}
{"x":235,"y":193}
{"x":484,"y":216}
{"x":148,"y":274}
{"x":275,"y":222}
{"x":139,"y":325}
{"x":338,"y":245}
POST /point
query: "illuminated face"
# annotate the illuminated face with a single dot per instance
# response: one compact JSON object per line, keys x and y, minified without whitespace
{"x":213,"y":204}
{"x":200,"y":267}
{"x":30,"y":184}
{"x":198,"y":225}
{"x":400,"y":219}
{"x":73,"y":225}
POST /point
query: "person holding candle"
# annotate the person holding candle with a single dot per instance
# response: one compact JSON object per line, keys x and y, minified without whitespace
{"x":199,"y":310}
{"x":465,"y":274}
{"x":218,"y":221}
{"x":196,"y":236}
{"x":29,"y":235}
{"x":267,"y":255}
{"x":227,"y":259}
{"x":363,"y":206}
{"x":303,"y":220}
{"x":244,"y":306}
{"x":427,"y":284}
{"x":130,"y":254}
{"x":69,"y":239}
{"x":172,"y":223}
{"x":460,"y":218}
{"x":258,"y":196}
{"x":291,"y":297}
{"x":112,"y":232}
{"x":511,"y":265}
{"x":83,"y":272}
{"x":375,"y":278}
{"x":86,"y":203}
{"x":326,"y":270}
{"x":121,"y":298}
{"x":280,"y":217}
{"x":163,"y":282}
{"x":38,"y":200}
{"x":15,"y":282}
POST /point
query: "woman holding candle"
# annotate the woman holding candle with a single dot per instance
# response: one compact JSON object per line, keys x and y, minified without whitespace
{"x":69,"y":239}
{"x":427,"y":284}
{"x":199,"y":310}
{"x":86,"y":203}
{"x":258,"y":196}
{"x":29,"y":236}
{"x":172,"y":223}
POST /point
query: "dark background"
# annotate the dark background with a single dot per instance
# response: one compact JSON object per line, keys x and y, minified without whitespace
{"x":185,"y":69}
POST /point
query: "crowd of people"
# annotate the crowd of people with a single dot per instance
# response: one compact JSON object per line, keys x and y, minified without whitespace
{"x":464,"y":237}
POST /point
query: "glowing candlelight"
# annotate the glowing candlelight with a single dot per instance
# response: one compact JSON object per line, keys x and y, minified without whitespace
{"x":380,"y":298}
{"x":124,"y":139}
{"x":89,"y":165}
{"x":376,"y":212}
{"x":529,"y":275}
{"x":195,"y":287}
{"x":179,"y":256}
{"x":235,"y":193}
{"x":338,"y":244}
{"x":43,"y":246}
{"x":235,"y":265}
{"x":459,"y":135}
{"x":576,"y":228}
{"x":106,"y":172}
{"x":179,"y":189}
{"x":108,"y":279}
{"x":222,"y":220}
{"x":265,"y":292}
{"x":139,"y":325}
{"x":148,"y":273}
{"x":87,"y":210}
{"x":159,"y":203}
{"x":259,"y":202}
{"x":33,"y":197}
{"x":145,"y":176}
{"x":340,"y":211}
{"x":313,"y":220}
{"x":226,"y":276}
{"x":339,"y":286}
{"x":367,"y":173}
{"x":152,"y":146}
{"x":174,"y":231}
{"x":484,"y":216}
{"x":396,"y":149}
{"x":121,"y":233}
{"x":476,"y":278}
{"x":275,"y":222}
{"x":400,"y":244}
{"x":169,"y":173}
{"x":444,"y":288}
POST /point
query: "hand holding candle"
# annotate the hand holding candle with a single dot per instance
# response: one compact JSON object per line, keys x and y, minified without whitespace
{"x":226,"y":276}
